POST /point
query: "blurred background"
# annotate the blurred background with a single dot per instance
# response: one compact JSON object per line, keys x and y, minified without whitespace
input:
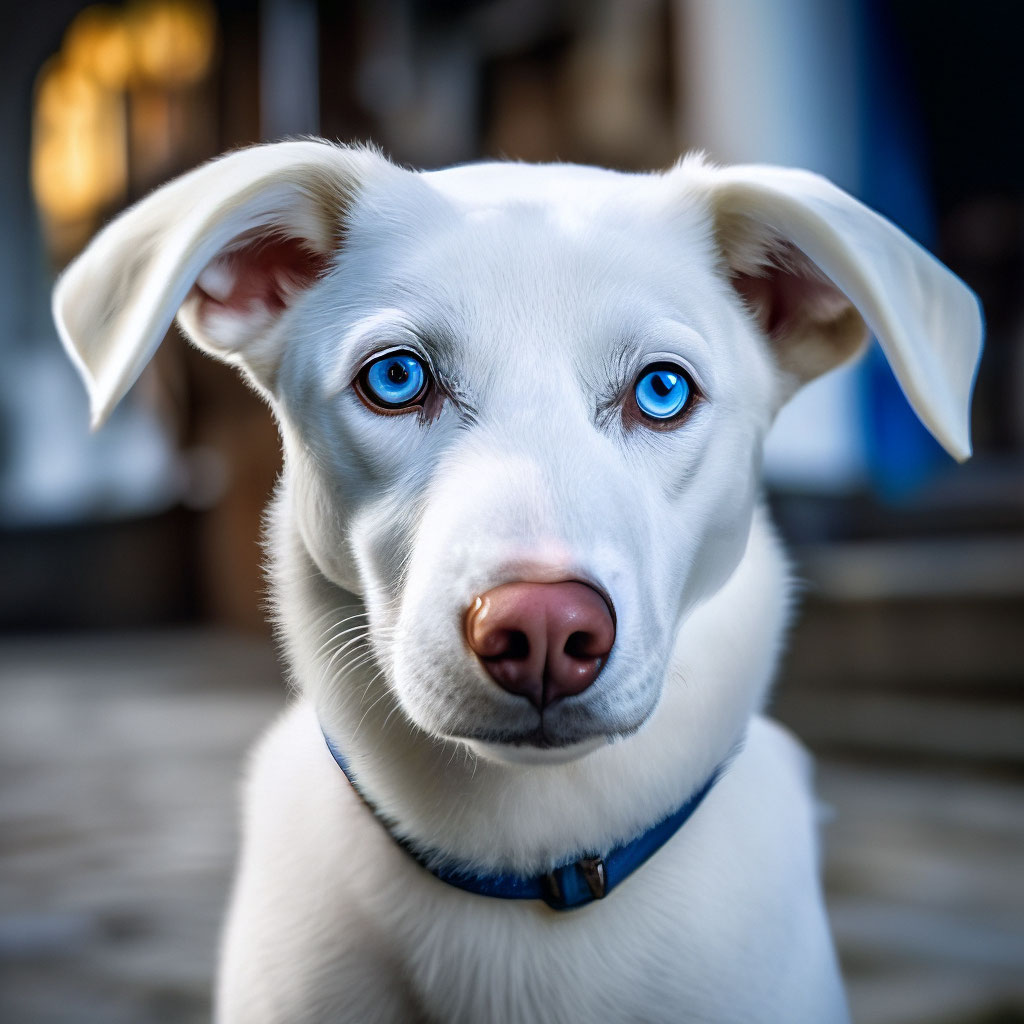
{"x":135,"y":667}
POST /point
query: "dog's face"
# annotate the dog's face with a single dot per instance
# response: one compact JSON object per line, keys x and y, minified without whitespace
{"x":506,"y":374}
{"x":528,"y":457}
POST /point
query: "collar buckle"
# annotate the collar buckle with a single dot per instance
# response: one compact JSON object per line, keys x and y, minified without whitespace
{"x":575,"y":884}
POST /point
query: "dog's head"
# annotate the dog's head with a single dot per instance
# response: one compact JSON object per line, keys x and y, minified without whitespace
{"x":522,"y":406}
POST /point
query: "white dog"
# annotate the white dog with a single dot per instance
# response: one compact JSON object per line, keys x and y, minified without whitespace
{"x":529,"y":597}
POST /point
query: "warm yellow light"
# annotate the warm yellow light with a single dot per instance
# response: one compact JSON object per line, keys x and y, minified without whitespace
{"x":78,"y":143}
{"x":97,"y":42}
{"x":172,"y":40}
{"x":146,"y":51}
{"x":65,"y":92}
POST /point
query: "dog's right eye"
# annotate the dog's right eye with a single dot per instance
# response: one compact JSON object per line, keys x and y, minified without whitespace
{"x":395,"y":383}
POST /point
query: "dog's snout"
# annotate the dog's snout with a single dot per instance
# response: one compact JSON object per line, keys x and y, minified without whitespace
{"x":543,"y":641}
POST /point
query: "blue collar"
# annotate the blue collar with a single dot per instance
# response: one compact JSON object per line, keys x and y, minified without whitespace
{"x":571,"y":884}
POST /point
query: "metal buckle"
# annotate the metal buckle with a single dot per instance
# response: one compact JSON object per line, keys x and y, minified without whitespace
{"x":594,"y":873}
{"x":576,"y":884}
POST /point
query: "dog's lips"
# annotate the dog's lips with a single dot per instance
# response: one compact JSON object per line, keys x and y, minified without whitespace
{"x":534,"y":738}
{"x":533,"y":751}
{"x":563,"y":726}
{"x":538,"y":738}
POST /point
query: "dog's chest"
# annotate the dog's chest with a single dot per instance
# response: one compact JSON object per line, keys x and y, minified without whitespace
{"x":723,"y":923}
{"x":630,"y":959}
{"x":678,"y":941}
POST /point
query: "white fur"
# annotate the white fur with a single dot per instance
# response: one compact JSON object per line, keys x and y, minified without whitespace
{"x":536,"y":295}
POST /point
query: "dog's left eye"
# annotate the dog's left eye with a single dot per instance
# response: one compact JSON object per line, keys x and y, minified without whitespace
{"x":397,"y":381}
{"x":663,"y":391}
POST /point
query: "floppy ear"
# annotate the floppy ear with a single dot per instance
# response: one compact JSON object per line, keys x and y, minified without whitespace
{"x":228,"y":247}
{"x":819,"y":270}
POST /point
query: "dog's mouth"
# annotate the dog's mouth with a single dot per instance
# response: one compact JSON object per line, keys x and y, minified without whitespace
{"x":538,"y":738}
{"x":544,"y":743}
{"x":563,"y":731}
{"x":535,"y":747}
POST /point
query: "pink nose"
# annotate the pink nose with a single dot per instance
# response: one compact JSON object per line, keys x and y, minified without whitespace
{"x":541,"y":640}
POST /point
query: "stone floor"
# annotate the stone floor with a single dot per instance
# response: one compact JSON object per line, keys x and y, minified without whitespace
{"x":119,"y":761}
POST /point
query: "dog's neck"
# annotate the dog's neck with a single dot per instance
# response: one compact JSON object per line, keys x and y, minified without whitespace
{"x":525,"y":818}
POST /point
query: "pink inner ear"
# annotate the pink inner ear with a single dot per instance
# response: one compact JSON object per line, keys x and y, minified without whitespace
{"x":262,"y":276}
{"x":790,"y":294}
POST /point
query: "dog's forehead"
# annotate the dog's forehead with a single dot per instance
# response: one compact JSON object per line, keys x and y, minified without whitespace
{"x":533,"y":252}
{"x":565,"y":188}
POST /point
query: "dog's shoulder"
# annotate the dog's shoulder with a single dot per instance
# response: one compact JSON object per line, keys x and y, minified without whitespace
{"x":774,"y":742}
{"x":291,"y":779}
{"x":763,"y":809}
{"x":774,"y":773}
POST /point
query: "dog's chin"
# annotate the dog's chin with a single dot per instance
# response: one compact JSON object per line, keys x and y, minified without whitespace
{"x":530,"y":752}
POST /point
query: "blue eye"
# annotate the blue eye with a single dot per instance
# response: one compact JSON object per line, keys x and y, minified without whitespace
{"x":663,"y":391}
{"x":394,"y":381}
